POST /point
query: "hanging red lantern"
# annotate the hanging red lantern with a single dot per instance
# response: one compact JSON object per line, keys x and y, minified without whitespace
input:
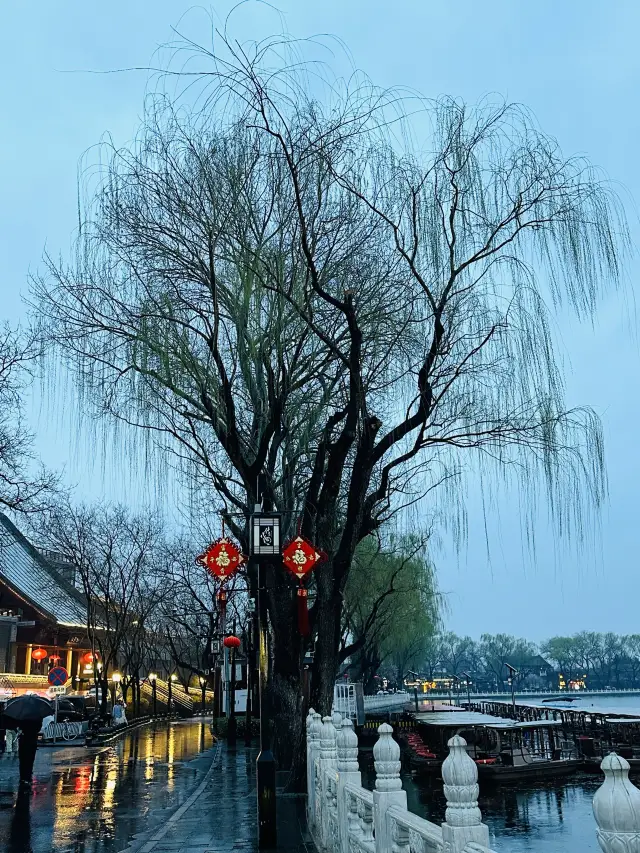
{"x":222,"y":558}
{"x":231,"y":642}
{"x":39,"y":654}
{"x":54,"y":658}
{"x":89,"y":657}
{"x":300,"y":557}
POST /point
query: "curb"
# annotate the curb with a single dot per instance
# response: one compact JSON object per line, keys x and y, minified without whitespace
{"x":157,"y":836}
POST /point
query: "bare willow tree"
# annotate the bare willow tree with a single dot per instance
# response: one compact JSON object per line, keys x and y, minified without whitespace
{"x":313,"y":313}
{"x":22,"y":488}
{"x":120,"y":561}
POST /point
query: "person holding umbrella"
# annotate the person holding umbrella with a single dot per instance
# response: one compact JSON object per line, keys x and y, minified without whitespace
{"x":26,"y":713}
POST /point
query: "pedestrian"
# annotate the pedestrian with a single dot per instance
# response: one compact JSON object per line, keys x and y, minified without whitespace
{"x":27,"y":746}
{"x":118,"y":716}
{"x":11,"y":742}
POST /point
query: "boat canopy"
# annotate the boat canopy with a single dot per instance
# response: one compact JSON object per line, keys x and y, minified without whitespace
{"x":469,"y":719}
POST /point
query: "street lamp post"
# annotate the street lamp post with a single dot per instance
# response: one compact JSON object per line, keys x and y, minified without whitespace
{"x":232,"y":643}
{"x":247,"y":718}
{"x":265,"y":546}
{"x":512,"y":672}
{"x":169,"y":693}
{"x":154,"y":692}
{"x":116,"y":678}
{"x":203,"y":687}
{"x":468,"y":683}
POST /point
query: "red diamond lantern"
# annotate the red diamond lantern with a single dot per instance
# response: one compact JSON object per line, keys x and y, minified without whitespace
{"x":222,"y":558}
{"x":301,"y":556}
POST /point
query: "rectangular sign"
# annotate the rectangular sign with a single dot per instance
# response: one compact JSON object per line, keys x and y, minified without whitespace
{"x":58,"y":690}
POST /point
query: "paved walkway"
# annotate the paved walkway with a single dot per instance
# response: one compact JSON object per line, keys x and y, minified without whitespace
{"x":220,"y":815}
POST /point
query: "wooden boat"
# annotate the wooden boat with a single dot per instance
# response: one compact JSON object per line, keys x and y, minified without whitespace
{"x":504,"y":750}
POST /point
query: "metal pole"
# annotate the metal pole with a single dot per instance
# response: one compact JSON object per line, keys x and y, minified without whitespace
{"x":154,"y":696}
{"x":247,"y":646}
{"x":232,"y":726}
{"x":55,"y":719}
{"x":169,"y":695}
{"x":204,"y":694}
{"x":265,"y":764}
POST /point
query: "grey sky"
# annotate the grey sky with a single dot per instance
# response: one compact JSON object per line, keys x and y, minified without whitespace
{"x":574,"y":64}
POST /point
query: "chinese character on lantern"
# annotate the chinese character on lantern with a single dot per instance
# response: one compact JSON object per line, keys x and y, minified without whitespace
{"x":300,"y":557}
{"x":222,"y":558}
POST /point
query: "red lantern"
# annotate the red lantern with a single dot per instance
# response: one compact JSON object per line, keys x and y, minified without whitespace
{"x":222,"y":558}
{"x":300,"y":557}
{"x":89,"y":657}
{"x":231,"y":642}
{"x":39,"y":654}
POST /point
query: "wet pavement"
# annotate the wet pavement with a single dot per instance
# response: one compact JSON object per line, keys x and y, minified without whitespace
{"x":96,"y":801}
{"x":162,"y":789}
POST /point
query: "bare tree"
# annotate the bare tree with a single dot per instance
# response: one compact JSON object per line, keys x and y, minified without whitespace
{"x":312,"y":314}
{"x":22,"y":489}
{"x":119,"y":559}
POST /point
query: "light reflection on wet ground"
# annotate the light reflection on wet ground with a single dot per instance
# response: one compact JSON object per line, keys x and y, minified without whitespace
{"x":89,"y":801}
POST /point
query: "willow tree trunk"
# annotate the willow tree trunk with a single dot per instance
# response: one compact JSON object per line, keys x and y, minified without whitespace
{"x":286,"y":693}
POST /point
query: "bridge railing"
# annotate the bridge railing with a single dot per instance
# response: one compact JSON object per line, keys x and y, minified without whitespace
{"x":345,"y":817}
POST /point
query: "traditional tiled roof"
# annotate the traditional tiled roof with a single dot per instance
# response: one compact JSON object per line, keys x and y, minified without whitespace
{"x":30,"y":576}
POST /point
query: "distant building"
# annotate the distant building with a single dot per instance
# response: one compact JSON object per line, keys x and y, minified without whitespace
{"x":40,"y":607}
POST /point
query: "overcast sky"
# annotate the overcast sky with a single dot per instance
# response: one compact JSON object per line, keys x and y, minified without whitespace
{"x":574,"y":64}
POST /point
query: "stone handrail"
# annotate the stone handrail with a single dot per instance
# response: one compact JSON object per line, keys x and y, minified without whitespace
{"x":395,"y":700}
{"x":344,"y":817}
{"x":408,"y":831}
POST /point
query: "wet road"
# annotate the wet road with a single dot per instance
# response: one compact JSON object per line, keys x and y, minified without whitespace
{"x":95,"y":801}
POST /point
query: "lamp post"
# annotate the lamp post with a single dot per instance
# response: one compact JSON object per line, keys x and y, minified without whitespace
{"x":154,"y":692}
{"x":456,"y":679}
{"x":116,"y":678}
{"x":203,"y":687}
{"x":247,"y":645}
{"x":169,"y":692}
{"x":232,"y":643}
{"x":512,"y":672}
{"x":265,"y":546}
{"x":468,"y":683}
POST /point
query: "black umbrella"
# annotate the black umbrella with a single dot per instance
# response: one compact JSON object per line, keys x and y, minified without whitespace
{"x":30,"y":707}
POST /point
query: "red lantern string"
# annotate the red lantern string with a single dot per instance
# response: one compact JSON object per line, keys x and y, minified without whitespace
{"x":221,"y":598}
{"x":300,"y":557}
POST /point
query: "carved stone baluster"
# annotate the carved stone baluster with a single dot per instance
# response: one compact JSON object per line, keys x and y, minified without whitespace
{"x":400,"y":838}
{"x":328,"y":764}
{"x":365,"y":813}
{"x":353,"y":819}
{"x":348,"y":772}
{"x":388,"y":789}
{"x":616,"y":807}
{"x":463,"y":819}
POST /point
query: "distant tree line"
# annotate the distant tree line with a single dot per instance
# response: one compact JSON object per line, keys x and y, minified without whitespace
{"x":599,"y":660}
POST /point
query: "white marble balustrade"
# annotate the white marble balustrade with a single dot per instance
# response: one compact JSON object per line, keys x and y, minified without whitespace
{"x":344,"y":817}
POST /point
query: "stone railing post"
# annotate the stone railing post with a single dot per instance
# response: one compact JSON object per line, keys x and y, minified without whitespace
{"x":348,"y":772}
{"x":463,"y":819}
{"x":327,"y":762}
{"x":388,"y":789}
{"x":314,"y":725}
{"x":616,"y":807}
